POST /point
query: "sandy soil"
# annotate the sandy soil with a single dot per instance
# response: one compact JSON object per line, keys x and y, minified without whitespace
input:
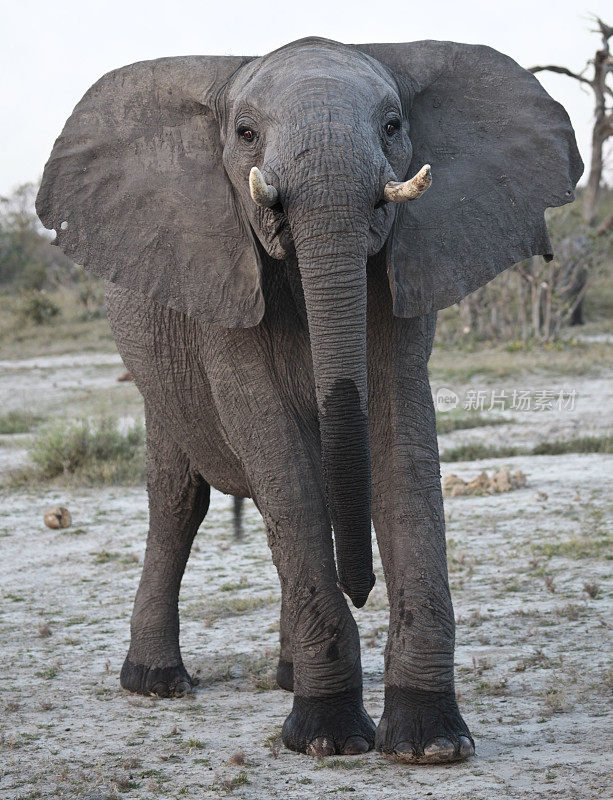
{"x":42,"y":382}
{"x":531,"y":585}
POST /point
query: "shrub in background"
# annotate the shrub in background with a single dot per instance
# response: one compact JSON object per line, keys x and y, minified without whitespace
{"x":37,"y":307}
{"x":90,"y":452}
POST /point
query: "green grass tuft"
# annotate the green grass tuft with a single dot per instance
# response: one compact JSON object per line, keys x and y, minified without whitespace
{"x":446,"y":423}
{"x":581,"y":444}
{"x":473,"y":451}
{"x":576,"y":547}
{"x":228,"y":785}
{"x":18,"y":422}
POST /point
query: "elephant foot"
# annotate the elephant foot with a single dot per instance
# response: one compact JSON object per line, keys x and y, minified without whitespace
{"x":327,"y":726}
{"x":285,"y":675}
{"x":420,"y":727}
{"x":161,"y":681}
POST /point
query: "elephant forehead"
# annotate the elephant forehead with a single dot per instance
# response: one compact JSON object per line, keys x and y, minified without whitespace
{"x":313,"y":74}
{"x":318,"y":88}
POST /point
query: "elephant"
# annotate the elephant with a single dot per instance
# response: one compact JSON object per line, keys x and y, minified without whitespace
{"x":274,"y":258}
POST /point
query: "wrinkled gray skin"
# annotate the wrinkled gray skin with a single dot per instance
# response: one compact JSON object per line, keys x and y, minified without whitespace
{"x":282,"y":353}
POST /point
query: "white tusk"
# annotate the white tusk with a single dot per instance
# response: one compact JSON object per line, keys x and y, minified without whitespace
{"x":261,"y":192}
{"x":395,"y":192}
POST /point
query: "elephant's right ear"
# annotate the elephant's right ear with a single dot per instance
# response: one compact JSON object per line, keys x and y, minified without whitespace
{"x":137,"y":193}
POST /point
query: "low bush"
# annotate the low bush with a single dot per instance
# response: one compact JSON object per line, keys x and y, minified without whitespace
{"x":38,"y":308}
{"x":90,"y":452}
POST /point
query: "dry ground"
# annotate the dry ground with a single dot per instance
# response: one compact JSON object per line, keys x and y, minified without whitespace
{"x":531,"y":581}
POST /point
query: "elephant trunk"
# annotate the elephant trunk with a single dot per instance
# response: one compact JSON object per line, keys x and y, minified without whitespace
{"x":332,"y":262}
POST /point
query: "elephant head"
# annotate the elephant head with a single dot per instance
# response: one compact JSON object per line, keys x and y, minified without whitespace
{"x":152,"y":185}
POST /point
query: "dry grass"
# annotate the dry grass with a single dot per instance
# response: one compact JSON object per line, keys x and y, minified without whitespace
{"x":497,"y":688}
{"x":228,"y":785}
{"x":536,"y":659}
{"x":555,"y":699}
{"x":66,"y":333}
{"x":591,"y":588}
{"x":460,"y":365}
{"x":224,"y":607}
{"x":18,"y":422}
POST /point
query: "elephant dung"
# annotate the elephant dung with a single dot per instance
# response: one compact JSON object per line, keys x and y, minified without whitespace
{"x":58,"y":517}
{"x":502,"y":480}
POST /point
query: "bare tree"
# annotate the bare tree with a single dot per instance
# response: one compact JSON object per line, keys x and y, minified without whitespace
{"x":534,"y":300}
{"x":602,"y":65}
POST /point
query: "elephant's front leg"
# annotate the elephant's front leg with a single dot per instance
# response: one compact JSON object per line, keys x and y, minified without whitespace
{"x":328,"y":715}
{"x":320,"y":655}
{"x":277,"y":442}
{"x":178,"y":502}
{"x":421,"y":721}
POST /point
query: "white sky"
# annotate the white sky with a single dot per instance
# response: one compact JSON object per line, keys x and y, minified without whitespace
{"x":51,"y":51}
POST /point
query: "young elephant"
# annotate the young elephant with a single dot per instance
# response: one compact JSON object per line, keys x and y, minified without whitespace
{"x":274,"y":295}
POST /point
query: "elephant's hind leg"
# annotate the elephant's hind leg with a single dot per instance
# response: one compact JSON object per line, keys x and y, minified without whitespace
{"x":178,"y":502}
{"x":285,"y":666}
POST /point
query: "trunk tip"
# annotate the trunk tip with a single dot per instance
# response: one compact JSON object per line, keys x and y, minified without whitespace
{"x":358,"y":596}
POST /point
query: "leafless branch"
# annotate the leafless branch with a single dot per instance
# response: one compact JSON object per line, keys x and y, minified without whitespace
{"x":605,"y":30}
{"x":605,"y":225}
{"x":601,"y":66}
{"x":561,"y":71}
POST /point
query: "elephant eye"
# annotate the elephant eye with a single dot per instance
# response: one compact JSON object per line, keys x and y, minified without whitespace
{"x":392,"y":126}
{"x":247,"y":134}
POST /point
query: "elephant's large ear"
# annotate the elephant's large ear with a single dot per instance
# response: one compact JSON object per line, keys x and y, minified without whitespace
{"x":137,"y":193}
{"x":501,"y":151}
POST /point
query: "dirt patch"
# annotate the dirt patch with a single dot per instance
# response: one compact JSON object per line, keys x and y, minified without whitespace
{"x":531,"y":666}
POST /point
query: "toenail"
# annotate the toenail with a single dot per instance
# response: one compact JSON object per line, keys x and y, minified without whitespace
{"x":160,"y":689}
{"x":182,"y":688}
{"x":467,"y":748}
{"x":440,"y":749}
{"x":355,"y":745}
{"x":405,"y":748}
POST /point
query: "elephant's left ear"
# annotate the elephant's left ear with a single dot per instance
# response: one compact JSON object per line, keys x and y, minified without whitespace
{"x":501,"y":150}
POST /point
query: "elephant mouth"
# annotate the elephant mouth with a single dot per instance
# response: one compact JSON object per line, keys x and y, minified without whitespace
{"x":275,"y":233}
{"x":281,"y":223}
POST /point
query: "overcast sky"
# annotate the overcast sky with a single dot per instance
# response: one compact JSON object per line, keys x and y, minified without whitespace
{"x":51,"y":51}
